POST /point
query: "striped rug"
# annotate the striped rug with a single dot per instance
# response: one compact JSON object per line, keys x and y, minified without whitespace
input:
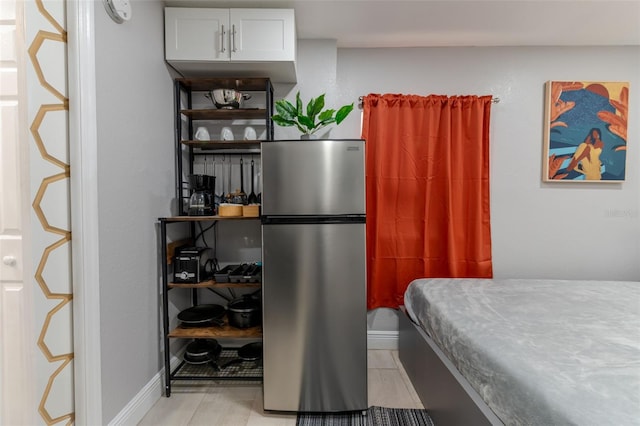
{"x":376,"y":416}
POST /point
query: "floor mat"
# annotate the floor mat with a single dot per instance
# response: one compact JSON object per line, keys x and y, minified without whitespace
{"x":376,"y":416}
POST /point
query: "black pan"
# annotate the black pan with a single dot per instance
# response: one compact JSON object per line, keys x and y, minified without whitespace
{"x":204,"y":347}
{"x":197,"y":360}
{"x":202,"y":314}
{"x":251,"y":352}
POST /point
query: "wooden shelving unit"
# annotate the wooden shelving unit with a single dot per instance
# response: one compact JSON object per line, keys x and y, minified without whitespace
{"x":187,"y":149}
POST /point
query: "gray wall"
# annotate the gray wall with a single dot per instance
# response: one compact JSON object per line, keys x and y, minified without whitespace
{"x":539,"y":230}
{"x":136,"y":177}
{"x":550,"y":230}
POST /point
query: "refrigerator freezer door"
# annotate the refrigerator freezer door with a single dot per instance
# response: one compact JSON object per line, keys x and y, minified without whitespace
{"x":314,"y":317}
{"x":316,"y":177}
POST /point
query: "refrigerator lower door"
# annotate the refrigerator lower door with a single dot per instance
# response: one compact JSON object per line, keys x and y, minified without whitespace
{"x":314,"y":317}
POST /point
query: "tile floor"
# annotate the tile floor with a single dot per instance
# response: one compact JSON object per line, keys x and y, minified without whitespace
{"x":206,"y":404}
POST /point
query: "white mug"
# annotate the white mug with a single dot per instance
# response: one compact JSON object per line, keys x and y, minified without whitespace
{"x":202,"y":134}
{"x":226,"y":134}
{"x":250,"y":134}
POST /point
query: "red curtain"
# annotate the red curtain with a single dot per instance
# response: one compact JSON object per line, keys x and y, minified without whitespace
{"x":427,"y":176}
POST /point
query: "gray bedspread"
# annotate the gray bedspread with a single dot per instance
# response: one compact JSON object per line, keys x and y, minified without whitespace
{"x":539,"y":352}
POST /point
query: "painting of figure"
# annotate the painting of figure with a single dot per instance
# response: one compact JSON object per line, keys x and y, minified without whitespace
{"x":586,"y":131}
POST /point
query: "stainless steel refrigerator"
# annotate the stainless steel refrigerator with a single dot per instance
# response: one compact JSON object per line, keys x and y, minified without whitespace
{"x":313,"y":282}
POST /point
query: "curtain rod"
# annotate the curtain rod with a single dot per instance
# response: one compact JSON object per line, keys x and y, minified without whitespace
{"x":494,"y":100}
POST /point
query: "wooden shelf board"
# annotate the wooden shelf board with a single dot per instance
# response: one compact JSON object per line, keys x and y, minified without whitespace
{"x":219,"y":144}
{"x":205,"y":218}
{"x":213,"y":284}
{"x":215,"y":332}
{"x":247,"y":84}
{"x":224,"y":114}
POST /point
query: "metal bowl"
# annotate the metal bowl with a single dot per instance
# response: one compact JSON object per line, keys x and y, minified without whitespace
{"x":227,"y":98}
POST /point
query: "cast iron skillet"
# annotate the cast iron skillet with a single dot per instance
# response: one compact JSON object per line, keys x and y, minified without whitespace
{"x":248,"y":352}
{"x":202,"y":351}
{"x":203,"y":314}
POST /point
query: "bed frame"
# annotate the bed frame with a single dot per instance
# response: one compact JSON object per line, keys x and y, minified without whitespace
{"x":444,"y":392}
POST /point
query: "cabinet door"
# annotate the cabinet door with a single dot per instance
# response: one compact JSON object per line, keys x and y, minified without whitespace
{"x":196,"y":34}
{"x":262,"y":35}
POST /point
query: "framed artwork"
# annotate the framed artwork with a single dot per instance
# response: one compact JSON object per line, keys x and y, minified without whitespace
{"x":585,"y":131}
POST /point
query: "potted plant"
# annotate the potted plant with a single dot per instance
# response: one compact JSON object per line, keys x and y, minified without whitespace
{"x":311,"y":119}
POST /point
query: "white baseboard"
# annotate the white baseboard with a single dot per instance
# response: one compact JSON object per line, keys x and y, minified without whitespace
{"x":377,"y":339}
{"x":136,"y":409}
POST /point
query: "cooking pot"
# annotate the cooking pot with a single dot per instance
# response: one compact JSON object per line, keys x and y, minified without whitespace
{"x":227,"y":98}
{"x":244,"y":312}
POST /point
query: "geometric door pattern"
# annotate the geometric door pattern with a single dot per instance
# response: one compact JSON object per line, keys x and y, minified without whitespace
{"x":51,"y":234}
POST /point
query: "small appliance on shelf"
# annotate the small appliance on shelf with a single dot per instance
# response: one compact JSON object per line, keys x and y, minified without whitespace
{"x":192,"y":264}
{"x":201,"y":202}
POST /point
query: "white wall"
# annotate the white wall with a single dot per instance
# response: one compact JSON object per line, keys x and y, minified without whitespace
{"x":136,"y":180}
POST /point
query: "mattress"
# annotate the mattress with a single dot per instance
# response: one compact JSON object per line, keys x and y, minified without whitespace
{"x":539,"y":352}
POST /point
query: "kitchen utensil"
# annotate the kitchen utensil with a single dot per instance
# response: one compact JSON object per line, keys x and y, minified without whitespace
{"x":203,"y":314}
{"x":226,"y":134}
{"x":223,"y":195}
{"x":253,"y":198}
{"x":258,"y":182}
{"x":227,"y":98}
{"x":228,"y":198}
{"x":202,"y":134}
{"x":242,"y":195}
{"x":214,"y":194}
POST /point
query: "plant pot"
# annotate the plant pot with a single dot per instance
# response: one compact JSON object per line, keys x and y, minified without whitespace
{"x":308,"y":137}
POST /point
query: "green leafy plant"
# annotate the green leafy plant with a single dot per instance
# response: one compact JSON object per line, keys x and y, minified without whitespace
{"x":311,"y":119}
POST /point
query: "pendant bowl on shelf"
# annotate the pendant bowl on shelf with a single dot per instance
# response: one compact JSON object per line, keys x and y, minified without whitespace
{"x":227,"y":98}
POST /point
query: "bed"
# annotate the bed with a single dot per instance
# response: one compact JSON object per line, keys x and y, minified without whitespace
{"x":524,"y":352}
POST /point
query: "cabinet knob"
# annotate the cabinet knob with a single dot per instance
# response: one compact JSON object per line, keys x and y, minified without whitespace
{"x":9,"y":260}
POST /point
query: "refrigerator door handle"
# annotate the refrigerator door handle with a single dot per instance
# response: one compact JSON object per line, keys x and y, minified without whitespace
{"x":311,"y":219}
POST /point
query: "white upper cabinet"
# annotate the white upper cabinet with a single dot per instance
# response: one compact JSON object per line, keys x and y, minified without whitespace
{"x":262,"y":35}
{"x":200,"y":41}
{"x":196,"y":34}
